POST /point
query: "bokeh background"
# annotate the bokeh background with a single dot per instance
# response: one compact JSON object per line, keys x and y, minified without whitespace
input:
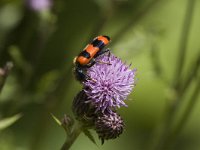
{"x":40,"y":38}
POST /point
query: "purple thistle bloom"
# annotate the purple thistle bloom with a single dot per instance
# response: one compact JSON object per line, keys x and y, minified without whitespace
{"x":39,"y":5}
{"x":110,"y":84}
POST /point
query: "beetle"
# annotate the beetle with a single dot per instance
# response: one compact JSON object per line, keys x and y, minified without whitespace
{"x":86,"y":58}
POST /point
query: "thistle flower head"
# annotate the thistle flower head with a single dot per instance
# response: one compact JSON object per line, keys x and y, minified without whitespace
{"x":110,"y":84}
{"x":109,"y":126}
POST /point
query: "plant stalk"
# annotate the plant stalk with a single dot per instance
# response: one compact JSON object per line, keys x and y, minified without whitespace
{"x":71,"y":138}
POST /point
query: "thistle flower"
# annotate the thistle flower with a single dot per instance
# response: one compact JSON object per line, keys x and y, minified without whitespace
{"x":110,"y":84}
{"x":109,"y":126}
{"x":39,"y":5}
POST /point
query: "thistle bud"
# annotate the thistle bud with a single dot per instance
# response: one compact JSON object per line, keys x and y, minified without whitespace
{"x":109,"y":126}
{"x":84,"y":111}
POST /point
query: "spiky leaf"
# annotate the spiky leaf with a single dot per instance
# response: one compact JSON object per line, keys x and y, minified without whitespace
{"x":4,"y":123}
{"x":90,"y":136}
{"x":56,"y":119}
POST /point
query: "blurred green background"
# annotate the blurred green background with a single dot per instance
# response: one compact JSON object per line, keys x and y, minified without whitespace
{"x":160,"y":38}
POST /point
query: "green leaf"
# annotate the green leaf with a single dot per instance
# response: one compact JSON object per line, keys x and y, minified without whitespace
{"x":56,"y":120}
{"x":90,"y":136}
{"x":4,"y":123}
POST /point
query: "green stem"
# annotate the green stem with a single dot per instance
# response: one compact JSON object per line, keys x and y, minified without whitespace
{"x":71,"y":138}
{"x":191,"y":74}
{"x":187,"y":112}
{"x":173,"y":134}
{"x":157,"y":66}
{"x":177,"y":98}
{"x":184,"y":42}
{"x":181,"y":57}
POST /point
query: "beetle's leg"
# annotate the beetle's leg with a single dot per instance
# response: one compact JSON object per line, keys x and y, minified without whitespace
{"x":103,"y":62}
{"x":109,"y":53}
{"x":103,"y":51}
{"x":91,"y":63}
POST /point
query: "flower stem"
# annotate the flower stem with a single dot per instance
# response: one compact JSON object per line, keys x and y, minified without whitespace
{"x":178,"y":93}
{"x":184,"y":42}
{"x":176,"y":87}
{"x":71,"y":138}
{"x":186,"y":113}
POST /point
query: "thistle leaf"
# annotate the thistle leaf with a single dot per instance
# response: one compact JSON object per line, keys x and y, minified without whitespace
{"x":4,"y":123}
{"x":90,"y":136}
{"x":56,"y":119}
